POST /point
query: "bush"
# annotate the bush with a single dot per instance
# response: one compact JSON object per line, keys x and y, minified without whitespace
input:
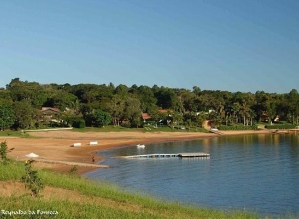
{"x":32,"y":181}
{"x":3,"y":152}
{"x":237,"y":127}
{"x":80,"y":123}
{"x":280,"y":126}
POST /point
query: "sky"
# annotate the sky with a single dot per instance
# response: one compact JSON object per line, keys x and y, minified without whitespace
{"x":231,"y":45}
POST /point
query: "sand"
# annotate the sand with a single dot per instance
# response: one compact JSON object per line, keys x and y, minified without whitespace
{"x":56,"y":151}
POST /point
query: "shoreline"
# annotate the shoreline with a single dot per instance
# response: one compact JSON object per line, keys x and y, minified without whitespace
{"x":56,"y":147}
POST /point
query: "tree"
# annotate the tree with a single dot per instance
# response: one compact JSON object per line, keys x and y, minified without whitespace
{"x":133,"y":111}
{"x":61,"y":100}
{"x":207,"y":102}
{"x":215,"y":119}
{"x":122,"y":90}
{"x":25,"y":114}
{"x":177,"y":118}
{"x":157,"y":116}
{"x":167,"y":99}
{"x":147,"y":98}
{"x":5,"y":97}
{"x":6,"y":116}
{"x":196,"y":90}
{"x":200,"y":118}
{"x":246,"y":102}
{"x":20,"y":90}
{"x":271,"y":110}
{"x":101,"y":118}
{"x":116,"y":108}
{"x":293,"y":105}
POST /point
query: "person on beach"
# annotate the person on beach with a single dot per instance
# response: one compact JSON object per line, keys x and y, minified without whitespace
{"x":93,"y":160}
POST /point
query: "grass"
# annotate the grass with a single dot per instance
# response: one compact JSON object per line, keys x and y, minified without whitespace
{"x":145,"y":129}
{"x":95,"y":199}
{"x":11,"y":133}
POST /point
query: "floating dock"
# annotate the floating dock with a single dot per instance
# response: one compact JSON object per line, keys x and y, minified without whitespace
{"x":181,"y":155}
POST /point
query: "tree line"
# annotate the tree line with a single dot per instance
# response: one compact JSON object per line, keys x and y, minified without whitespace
{"x":101,"y":104}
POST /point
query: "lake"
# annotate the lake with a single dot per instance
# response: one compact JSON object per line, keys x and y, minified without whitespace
{"x":258,"y":173}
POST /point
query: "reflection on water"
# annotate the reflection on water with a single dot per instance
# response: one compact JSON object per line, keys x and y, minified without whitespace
{"x":255,"y":172}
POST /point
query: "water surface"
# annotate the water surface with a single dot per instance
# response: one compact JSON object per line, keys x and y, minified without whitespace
{"x":259,"y":173}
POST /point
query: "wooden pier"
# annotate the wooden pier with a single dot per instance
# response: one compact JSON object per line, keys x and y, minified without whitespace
{"x":181,"y":155}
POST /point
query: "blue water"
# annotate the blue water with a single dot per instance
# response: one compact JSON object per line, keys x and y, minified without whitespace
{"x":258,"y":173}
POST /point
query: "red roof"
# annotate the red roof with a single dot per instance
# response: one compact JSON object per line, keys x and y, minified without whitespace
{"x":146,"y":116}
{"x":165,"y":111}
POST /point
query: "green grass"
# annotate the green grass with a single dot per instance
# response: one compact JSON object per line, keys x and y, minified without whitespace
{"x":110,"y":129}
{"x":145,"y":129}
{"x":10,"y":133}
{"x":116,"y":203}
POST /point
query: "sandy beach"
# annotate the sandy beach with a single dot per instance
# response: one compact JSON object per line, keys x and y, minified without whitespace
{"x":56,"y":151}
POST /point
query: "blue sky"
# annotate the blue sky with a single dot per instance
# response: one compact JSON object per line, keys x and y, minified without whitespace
{"x":232,"y":45}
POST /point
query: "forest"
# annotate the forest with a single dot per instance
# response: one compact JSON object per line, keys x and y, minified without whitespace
{"x":98,"y":105}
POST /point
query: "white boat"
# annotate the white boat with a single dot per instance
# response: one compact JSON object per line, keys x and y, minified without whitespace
{"x":140,"y":146}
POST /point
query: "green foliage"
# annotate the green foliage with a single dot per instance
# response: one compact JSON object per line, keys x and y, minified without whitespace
{"x":20,"y":90}
{"x":61,"y":99}
{"x":167,"y":98}
{"x":25,"y":114}
{"x":7,"y":116}
{"x":237,"y":127}
{"x":280,"y":126}
{"x":73,"y":170}
{"x":132,"y":112}
{"x":101,"y":118}
{"x":127,"y":103}
{"x":31,"y":179}
{"x":4,"y":151}
{"x":79,"y":123}
{"x":147,"y":99}
{"x":116,"y":108}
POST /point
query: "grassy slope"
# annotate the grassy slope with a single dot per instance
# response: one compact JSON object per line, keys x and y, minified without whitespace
{"x":76,"y":197}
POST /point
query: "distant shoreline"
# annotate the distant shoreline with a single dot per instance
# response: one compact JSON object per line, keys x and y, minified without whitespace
{"x":57,"y":146}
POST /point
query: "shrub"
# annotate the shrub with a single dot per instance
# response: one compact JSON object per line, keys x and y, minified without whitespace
{"x":73,"y":170}
{"x":237,"y":127}
{"x":280,"y":126}
{"x":80,"y":123}
{"x":31,"y":179}
{"x":4,"y":151}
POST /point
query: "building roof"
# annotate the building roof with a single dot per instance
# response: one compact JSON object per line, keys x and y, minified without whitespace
{"x":145,"y":116}
{"x":44,"y":109}
{"x":165,"y":111}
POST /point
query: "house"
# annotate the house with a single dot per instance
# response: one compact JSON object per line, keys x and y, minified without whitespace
{"x":167,"y":112}
{"x":49,"y":114}
{"x":265,"y":117}
{"x":50,"y":110}
{"x":145,"y":116}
